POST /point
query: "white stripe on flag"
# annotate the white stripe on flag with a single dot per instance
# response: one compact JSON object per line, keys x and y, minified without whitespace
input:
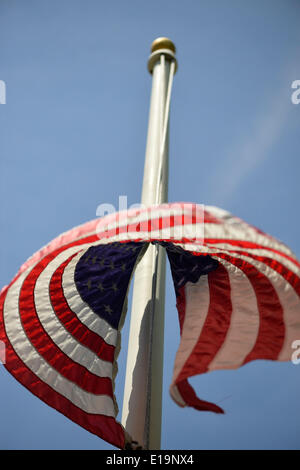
{"x":244,"y":324}
{"x":176,"y":395}
{"x":196,"y":309}
{"x":247,"y":234}
{"x":81,"y":309}
{"x":290,"y":302}
{"x":229,"y":249}
{"x":88,"y":402}
{"x":56,"y":330}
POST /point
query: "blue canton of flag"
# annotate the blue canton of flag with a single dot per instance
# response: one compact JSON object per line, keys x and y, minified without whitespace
{"x":102,"y":277}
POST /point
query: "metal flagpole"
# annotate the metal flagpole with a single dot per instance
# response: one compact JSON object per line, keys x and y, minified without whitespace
{"x":141,"y":415}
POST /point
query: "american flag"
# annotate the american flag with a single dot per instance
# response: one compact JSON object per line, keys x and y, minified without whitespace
{"x":247,"y":307}
{"x":237,"y":292}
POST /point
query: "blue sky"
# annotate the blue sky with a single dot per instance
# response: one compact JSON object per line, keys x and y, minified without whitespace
{"x":73,"y":135}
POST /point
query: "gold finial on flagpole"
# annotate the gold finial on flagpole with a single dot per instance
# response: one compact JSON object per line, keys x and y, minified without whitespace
{"x":163,"y":43}
{"x":162,"y":46}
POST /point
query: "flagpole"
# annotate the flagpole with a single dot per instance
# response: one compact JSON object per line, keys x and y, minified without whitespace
{"x":142,"y":401}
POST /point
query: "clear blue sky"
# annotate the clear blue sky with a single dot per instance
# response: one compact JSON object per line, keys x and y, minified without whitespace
{"x":73,"y":134}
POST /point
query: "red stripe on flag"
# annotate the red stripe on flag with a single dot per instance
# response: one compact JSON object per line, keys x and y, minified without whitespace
{"x":43,"y":343}
{"x":215,"y":327}
{"x":280,"y":268}
{"x":288,"y":275}
{"x":59,"y":244}
{"x":271,"y":331}
{"x":189,"y":396}
{"x":246,"y":244}
{"x":186,"y":391}
{"x":103,"y":426}
{"x":78,"y":330}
